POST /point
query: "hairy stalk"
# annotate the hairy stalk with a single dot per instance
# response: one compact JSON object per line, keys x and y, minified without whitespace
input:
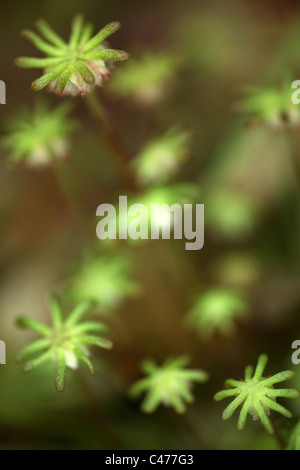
{"x":113,"y":140}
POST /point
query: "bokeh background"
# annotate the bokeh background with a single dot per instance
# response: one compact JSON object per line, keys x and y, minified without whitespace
{"x":245,"y":172}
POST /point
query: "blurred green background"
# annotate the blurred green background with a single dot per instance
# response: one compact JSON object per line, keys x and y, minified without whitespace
{"x":245,"y":170}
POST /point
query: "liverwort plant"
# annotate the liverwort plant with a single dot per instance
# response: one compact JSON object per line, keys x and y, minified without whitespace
{"x":65,"y":343}
{"x":79,"y":67}
{"x":169,"y":385}
{"x":75,"y":67}
{"x":161,"y":157}
{"x":272,"y":107}
{"x":104,"y":280}
{"x":146,"y":80}
{"x":231,"y":213}
{"x":39,"y":137}
{"x":258,"y":395}
{"x":217,"y":310}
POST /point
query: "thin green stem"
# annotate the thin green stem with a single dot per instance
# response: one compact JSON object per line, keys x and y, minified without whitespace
{"x":113,"y":140}
{"x":277,"y":436}
{"x":98,"y":418}
{"x":65,"y":196}
{"x":191,"y":424}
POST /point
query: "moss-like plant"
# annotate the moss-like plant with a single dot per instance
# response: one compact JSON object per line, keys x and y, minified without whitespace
{"x":257,"y":395}
{"x":217,"y":310}
{"x":161,"y":157}
{"x":231,"y":214}
{"x":65,"y":342}
{"x":39,"y":137}
{"x":105,"y":280}
{"x":75,"y":67}
{"x":169,"y":385}
{"x":147,"y":79}
{"x":271,"y":106}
